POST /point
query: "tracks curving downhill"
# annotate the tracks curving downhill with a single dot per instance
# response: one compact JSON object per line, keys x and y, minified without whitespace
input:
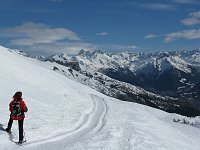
{"x":91,"y":123}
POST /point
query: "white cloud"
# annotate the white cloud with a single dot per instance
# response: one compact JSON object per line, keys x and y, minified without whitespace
{"x":102,"y":34}
{"x":43,"y":39}
{"x":185,"y":1}
{"x":38,"y":38}
{"x":150,"y":36}
{"x":117,"y":47}
{"x":132,"y":46}
{"x":36,"y":33}
{"x":159,"y":6}
{"x":186,"y":34}
{"x":196,"y":14}
{"x":61,"y":47}
{"x":193,"y":19}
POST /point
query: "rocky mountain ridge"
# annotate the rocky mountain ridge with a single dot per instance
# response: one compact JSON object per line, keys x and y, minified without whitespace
{"x":171,"y":75}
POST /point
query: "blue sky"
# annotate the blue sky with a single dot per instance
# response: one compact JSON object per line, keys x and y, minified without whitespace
{"x":44,"y":27}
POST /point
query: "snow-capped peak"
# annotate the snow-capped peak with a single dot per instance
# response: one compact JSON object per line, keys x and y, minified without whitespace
{"x":84,"y":53}
{"x":180,"y":64}
{"x":59,"y":57}
{"x":166,"y":60}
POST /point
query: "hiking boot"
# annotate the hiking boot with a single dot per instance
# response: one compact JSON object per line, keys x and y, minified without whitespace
{"x":8,"y":130}
{"x":20,"y":141}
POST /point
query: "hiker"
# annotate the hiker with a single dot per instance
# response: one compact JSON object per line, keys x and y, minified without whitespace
{"x":17,"y":108}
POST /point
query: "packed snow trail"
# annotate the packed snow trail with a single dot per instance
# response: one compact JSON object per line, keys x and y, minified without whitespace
{"x":90,"y":124}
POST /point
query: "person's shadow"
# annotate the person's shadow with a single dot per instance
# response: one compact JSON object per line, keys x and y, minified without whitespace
{"x":2,"y":128}
{"x":11,"y":136}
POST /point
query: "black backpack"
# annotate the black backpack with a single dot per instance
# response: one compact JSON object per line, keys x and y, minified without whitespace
{"x":16,"y":109}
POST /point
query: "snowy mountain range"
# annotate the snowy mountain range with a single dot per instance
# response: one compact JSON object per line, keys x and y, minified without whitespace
{"x":64,"y":114}
{"x":171,"y":79}
{"x":165,"y":80}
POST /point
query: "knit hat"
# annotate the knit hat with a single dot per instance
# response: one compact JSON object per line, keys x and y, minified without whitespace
{"x":18,"y":95}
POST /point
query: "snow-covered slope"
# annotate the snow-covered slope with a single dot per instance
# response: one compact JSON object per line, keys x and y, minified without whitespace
{"x":64,"y":114}
{"x":165,"y":72}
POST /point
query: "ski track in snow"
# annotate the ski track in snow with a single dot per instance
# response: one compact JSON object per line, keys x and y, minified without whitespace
{"x":91,"y":123}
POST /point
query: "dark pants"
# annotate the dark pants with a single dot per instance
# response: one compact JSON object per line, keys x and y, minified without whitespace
{"x":20,"y":127}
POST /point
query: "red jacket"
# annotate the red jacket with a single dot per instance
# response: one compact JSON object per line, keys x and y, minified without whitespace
{"x":23,"y":108}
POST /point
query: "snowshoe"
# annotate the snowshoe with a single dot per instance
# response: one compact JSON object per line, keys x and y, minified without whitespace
{"x":8,"y":130}
{"x":20,"y":142}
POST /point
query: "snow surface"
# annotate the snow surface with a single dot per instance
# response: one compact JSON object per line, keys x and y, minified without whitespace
{"x":66,"y":115}
{"x":180,"y":64}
